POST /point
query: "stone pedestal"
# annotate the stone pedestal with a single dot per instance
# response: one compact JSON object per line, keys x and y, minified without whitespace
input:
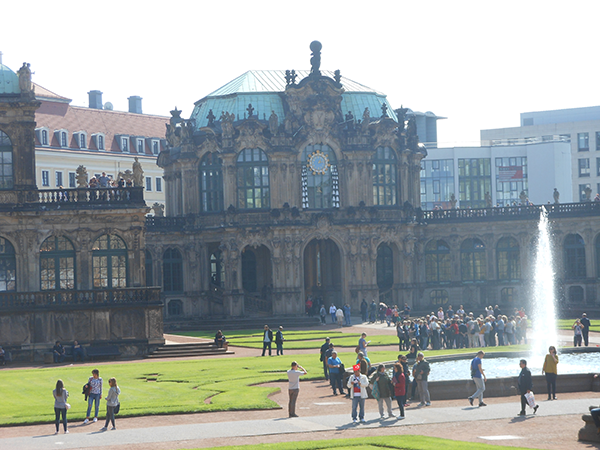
{"x":588,"y":432}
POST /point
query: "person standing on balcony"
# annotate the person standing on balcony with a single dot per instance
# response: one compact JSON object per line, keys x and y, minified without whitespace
{"x":267,"y":340}
{"x":103,"y":180}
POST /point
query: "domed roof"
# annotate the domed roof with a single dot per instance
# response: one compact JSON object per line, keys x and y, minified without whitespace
{"x":9,"y":81}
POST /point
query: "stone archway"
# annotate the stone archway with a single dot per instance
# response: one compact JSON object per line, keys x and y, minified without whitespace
{"x":323,"y":271}
{"x":257,"y":279}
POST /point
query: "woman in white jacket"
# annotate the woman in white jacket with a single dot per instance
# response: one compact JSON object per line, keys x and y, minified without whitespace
{"x":357,"y":387}
{"x":112,"y":401}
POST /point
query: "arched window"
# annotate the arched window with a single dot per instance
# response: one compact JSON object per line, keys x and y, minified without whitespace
{"x":320,"y":180}
{"x":574,"y":257}
{"x":44,"y":137}
{"x":385,"y":267}
{"x":576,"y":294}
{"x":249,"y":282}
{"x":172,"y":271}
{"x":384,"y":177}
{"x":6,"y":162}
{"x":175,"y":308}
{"x":109,"y":262}
{"x":57,"y":264}
{"x":8,"y":266}
{"x":149,"y":271}
{"x":211,"y":183}
{"x":438,"y":266}
{"x":439,"y":297}
{"x":472,"y":260}
{"x":509,"y":259}
{"x":253,"y":179}
{"x":217,"y":269}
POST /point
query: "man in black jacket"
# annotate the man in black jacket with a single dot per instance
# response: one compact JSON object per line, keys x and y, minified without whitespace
{"x":267,"y":340}
{"x":279,"y":341}
{"x":586,"y":329}
{"x":323,"y":358}
{"x":525,"y":386}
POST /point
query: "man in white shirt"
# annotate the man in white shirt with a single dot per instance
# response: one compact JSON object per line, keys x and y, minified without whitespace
{"x":357,"y":386}
{"x":294,"y":375}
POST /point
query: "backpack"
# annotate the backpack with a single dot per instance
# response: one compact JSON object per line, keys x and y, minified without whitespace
{"x":86,"y":390}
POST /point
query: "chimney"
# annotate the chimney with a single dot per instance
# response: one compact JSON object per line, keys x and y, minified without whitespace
{"x":135,"y":104}
{"x":95,"y":99}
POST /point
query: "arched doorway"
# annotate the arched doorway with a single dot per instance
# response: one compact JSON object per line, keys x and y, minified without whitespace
{"x":385,"y":273}
{"x":323,"y":272}
{"x":257,"y":279}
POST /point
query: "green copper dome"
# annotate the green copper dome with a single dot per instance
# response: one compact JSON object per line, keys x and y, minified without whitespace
{"x":9,"y":81}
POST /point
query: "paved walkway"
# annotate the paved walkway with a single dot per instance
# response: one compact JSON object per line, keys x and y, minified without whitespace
{"x":309,"y":424}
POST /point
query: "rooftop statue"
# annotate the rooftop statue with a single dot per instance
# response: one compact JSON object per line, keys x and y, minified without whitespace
{"x":384,"y":109}
{"x":81,"y":177}
{"x":138,"y":173}
{"x":556,"y":196}
{"x":25,"y":78}
{"x":488,"y":200}
{"x":337,"y":76}
{"x":273,"y":123}
{"x":315,"y":61}
{"x":159,"y":209}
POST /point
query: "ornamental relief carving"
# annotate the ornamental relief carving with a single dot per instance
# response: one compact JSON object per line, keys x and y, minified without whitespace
{"x":251,"y":136}
{"x":385,"y":134}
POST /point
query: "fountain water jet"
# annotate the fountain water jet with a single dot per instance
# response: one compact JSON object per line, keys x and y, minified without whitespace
{"x":544,"y":303}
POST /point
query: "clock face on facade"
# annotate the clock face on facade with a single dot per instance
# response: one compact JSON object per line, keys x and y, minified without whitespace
{"x":318,"y":162}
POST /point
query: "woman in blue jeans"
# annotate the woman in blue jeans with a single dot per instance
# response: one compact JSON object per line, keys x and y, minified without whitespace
{"x":95,"y":395}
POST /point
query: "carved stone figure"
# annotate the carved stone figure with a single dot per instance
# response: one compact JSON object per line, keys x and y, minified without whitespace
{"x":384,"y":109}
{"x":523,"y":198}
{"x":211,"y":118}
{"x":453,"y":201}
{"x":81,"y":177}
{"x":488,"y":200}
{"x":366,"y":120}
{"x":227,"y":124}
{"x":138,"y":173}
{"x":588,"y":194}
{"x":24,"y":74}
{"x":250,"y":110}
{"x":315,"y":61}
{"x":337,"y":76}
{"x":159,"y":209}
{"x":273,"y":123}
{"x":556,"y":196}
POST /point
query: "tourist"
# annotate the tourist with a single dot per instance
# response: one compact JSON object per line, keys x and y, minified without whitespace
{"x":363,"y":343}
{"x":463,"y":334}
{"x":420,"y":373}
{"x":500,"y":330}
{"x":413,"y":350}
{"x":525,"y":384}
{"x":339,"y":315}
{"x":382,"y":390}
{"x":364,"y":363}
{"x":332,"y":312}
{"x":577,"y":332}
{"x":363,"y":310}
{"x":388,"y":315}
{"x":461,"y":312}
{"x":323,"y":358}
{"x":372,"y":311}
{"x":399,"y":382}
{"x":267,"y":340}
{"x":406,"y":311}
{"x":357,"y":386}
{"x":488,"y":332}
{"x":585,"y":331}
{"x":523,"y":329}
{"x":400,"y":334}
{"x":440,"y":313}
{"x":322,"y":314}
{"x":220,"y":339}
{"x":481,"y":325}
{"x":77,"y":351}
{"x":112,"y":404}
{"x":103,"y":180}
{"x":279,"y":340}
{"x":509,"y":330}
{"x":94,"y":396}
{"x":479,"y":378}
{"x":294,"y":375}
{"x":434,"y":329}
{"x":550,"y":369}
{"x":450,"y":312}
{"x":336,"y":373}
{"x":60,"y":405}
{"x":595,"y":412}
{"x":58,"y":352}
{"x":348,"y":314}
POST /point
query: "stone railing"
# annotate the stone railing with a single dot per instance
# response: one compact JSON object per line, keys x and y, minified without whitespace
{"x":91,"y":197}
{"x":71,"y":298}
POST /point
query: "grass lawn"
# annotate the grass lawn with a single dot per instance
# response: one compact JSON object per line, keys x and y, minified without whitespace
{"x":404,"y":442}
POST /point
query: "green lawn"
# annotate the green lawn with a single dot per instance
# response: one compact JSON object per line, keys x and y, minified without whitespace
{"x":566,"y":324}
{"x":403,"y":442}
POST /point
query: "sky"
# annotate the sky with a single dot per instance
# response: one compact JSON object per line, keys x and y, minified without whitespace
{"x":478,"y":63}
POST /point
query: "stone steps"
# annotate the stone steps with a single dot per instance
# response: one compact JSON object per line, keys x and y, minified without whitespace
{"x":188,"y":350}
{"x":250,"y":323}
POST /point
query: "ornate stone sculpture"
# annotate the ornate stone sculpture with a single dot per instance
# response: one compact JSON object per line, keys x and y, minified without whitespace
{"x":412,"y":140}
{"x":173,"y":134}
{"x":250,"y":110}
{"x":556,"y":196}
{"x":81,"y":177}
{"x":227,"y":124}
{"x":159,"y":209}
{"x":366,"y":120}
{"x":211,"y":118}
{"x":452,"y":201}
{"x":384,"y":109}
{"x":588,"y":194}
{"x":25,"y":78}
{"x":337,"y":76}
{"x":273,"y":123}
{"x":138,"y":173}
{"x":315,"y":61}
{"x":488,"y":200}
{"x":523,"y":198}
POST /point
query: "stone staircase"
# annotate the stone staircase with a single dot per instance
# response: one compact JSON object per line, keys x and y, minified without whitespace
{"x":237,"y":323}
{"x":188,"y":350}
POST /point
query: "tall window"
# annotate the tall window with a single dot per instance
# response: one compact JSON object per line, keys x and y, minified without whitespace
{"x":44,"y":137}
{"x":58,"y":178}
{"x":597,"y":140}
{"x":438,"y":266}
{"x":57,"y":264}
{"x":437,"y":183}
{"x":6,"y":162}
{"x":100,"y":142}
{"x":574,"y":257}
{"x":253,"y":179}
{"x":582,"y":194}
{"x":172,"y":271}
{"x":45,"y":178}
{"x":384,"y":177}
{"x":155,"y":150}
{"x":474,"y":180}
{"x":8,"y":266}
{"x":211,"y":183}
{"x":175,"y":308}
{"x":583,"y":142}
{"x":82,"y":140}
{"x":509,"y":259}
{"x":511,"y":180}
{"x":320,"y":180}
{"x":149,"y":184}
{"x":217,"y":269}
{"x":109,"y":262}
{"x":584,"y":167}
{"x":385,"y":267}
{"x":63,"y":139}
{"x":472,"y":260}
{"x":140,"y":146}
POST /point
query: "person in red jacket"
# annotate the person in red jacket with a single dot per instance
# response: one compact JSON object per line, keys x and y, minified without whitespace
{"x":399,"y":382}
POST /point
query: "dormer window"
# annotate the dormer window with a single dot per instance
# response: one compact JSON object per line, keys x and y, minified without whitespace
{"x":123,"y":142}
{"x":140,"y":146}
{"x":81,"y":139}
{"x":98,"y":141}
{"x":43,"y":136}
{"x":62,"y":137}
{"x":155,"y":147}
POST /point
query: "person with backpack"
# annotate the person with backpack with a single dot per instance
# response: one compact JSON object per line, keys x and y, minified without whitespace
{"x":112,"y":404}
{"x":94,"y":395}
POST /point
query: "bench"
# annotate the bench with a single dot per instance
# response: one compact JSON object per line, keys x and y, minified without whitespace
{"x":102,"y":351}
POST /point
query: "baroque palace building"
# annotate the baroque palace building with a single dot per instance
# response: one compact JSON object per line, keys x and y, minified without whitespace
{"x":289,"y":184}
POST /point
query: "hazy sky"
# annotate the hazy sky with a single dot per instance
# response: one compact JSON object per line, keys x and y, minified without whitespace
{"x":479,"y":63}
